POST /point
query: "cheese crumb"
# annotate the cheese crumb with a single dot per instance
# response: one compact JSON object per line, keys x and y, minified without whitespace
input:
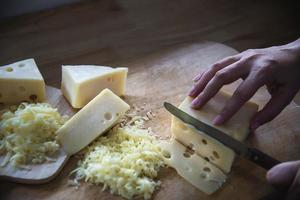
{"x":126,"y":160}
{"x":27,"y":134}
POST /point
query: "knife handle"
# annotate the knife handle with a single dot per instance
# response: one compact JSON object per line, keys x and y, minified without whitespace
{"x":262,"y":159}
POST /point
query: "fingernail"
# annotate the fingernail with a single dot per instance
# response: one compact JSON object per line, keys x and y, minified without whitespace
{"x":218,"y":120}
{"x":192,"y":92}
{"x":254,"y":126}
{"x":196,"y":103}
{"x":196,"y":78}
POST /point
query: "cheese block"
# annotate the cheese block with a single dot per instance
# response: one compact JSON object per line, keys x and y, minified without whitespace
{"x":81,"y":83}
{"x":21,"y":81}
{"x":194,"y":169}
{"x":207,"y":147}
{"x":94,"y":119}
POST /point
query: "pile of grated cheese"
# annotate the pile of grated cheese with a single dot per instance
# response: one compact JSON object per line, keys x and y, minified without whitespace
{"x":27,"y":133}
{"x":126,"y":160}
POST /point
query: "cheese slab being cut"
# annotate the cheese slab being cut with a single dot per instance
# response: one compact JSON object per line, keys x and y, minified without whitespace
{"x":194,"y":169}
{"x":21,"y":81}
{"x":207,"y":147}
{"x":81,"y":83}
{"x":94,"y":119}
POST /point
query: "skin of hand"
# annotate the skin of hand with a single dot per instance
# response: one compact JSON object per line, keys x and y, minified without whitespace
{"x":286,"y":175}
{"x":276,"y":67}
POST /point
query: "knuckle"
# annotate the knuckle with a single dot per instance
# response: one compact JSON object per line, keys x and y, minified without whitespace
{"x":215,"y":67}
{"x":221,"y":76}
{"x":240,"y":96}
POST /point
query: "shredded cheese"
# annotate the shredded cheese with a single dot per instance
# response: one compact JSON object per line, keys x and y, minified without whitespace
{"x":126,"y":160}
{"x":27,"y":133}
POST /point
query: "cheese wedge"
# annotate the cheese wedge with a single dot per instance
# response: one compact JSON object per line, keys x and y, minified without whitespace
{"x":196,"y":170}
{"x":81,"y":83}
{"x":94,"y":119}
{"x":21,"y":81}
{"x":205,"y":146}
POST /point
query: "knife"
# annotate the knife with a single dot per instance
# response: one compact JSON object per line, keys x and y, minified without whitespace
{"x":252,"y":154}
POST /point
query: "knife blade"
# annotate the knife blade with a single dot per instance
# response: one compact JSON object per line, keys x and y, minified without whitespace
{"x":252,"y":154}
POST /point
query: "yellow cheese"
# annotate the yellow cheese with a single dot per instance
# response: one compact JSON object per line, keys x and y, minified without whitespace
{"x":196,"y":170}
{"x":126,"y":160}
{"x":21,"y":81}
{"x":205,"y":146}
{"x":94,"y":119}
{"x":81,"y":83}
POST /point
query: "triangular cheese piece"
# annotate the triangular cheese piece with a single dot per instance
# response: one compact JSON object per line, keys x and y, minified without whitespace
{"x":81,"y":83}
{"x":21,"y":81}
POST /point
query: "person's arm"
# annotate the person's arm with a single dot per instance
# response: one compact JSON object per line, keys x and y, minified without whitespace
{"x":276,"y":67}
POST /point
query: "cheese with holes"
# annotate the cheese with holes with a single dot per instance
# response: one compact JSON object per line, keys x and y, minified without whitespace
{"x":21,"y":81}
{"x":81,"y":83}
{"x":94,"y":119}
{"x":196,"y":170}
{"x":207,"y":147}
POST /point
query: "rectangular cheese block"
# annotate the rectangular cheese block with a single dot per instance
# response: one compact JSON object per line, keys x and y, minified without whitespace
{"x":205,"y":146}
{"x":194,"y":169}
{"x":21,"y":81}
{"x":94,"y":119}
{"x":81,"y":83}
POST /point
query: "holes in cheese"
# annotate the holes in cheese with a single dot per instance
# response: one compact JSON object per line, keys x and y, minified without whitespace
{"x":197,"y":171}
{"x":189,"y":151}
{"x":9,"y":69}
{"x":205,"y":146}
{"x":18,"y":82}
{"x":81,"y":83}
{"x":33,"y":97}
{"x":21,"y":65}
{"x":107,"y":116}
{"x":216,"y":155}
{"x":86,"y":124}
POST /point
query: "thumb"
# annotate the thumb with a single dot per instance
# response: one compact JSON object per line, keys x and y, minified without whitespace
{"x":282,"y":175}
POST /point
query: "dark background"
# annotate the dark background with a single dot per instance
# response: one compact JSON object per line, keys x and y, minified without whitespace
{"x":113,"y":32}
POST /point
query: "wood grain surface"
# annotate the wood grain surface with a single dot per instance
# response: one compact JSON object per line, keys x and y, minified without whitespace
{"x":166,"y":75}
{"x":116,"y":32}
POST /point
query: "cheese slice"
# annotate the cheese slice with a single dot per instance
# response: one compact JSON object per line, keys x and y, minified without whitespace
{"x":207,"y":147}
{"x":81,"y":83}
{"x":94,"y":119}
{"x":21,"y":81}
{"x":196,"y":170}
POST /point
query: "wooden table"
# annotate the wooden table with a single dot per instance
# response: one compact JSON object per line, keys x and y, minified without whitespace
{"x":113,"y":32}
{"x":117,"y":33}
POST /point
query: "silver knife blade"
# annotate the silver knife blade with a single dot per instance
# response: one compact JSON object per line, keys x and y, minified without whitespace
{"x":222,"y":137}
{"x":255,"y":155}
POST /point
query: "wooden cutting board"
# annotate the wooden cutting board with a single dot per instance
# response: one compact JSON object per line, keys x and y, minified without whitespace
{"x":167,"y":76}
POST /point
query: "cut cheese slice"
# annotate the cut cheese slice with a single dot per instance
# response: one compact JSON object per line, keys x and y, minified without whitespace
{"x":94,"y":119}
{"x":196,"y":170}
{"x":21,"y":81}
{"x":81,"y":83}
{"x":204,"y":145}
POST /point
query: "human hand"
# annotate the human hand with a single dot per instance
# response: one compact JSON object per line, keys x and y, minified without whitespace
{"x":286,"y":175}
{"x":276,"y":67}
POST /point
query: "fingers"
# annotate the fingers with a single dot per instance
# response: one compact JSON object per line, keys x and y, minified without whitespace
{"x":241,"y":95}
{"x":283,"y":175}
{"x":222,"y":77}
{"x":294,"y":190}
{"x":203,"y":79}
{"x":276,"y":104}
